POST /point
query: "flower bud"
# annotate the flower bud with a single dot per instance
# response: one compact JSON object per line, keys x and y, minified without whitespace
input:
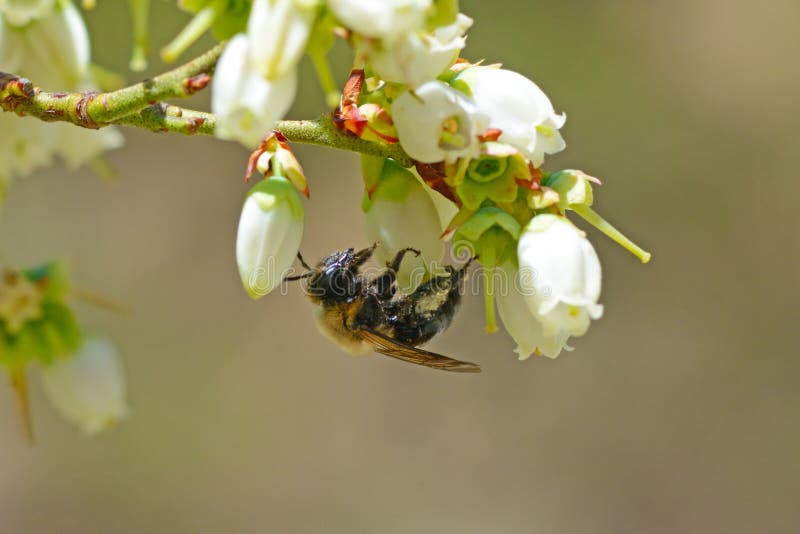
{"x":278,"y":31}
{"x":275,"y":158}
{"x":573,"y":188}
{"x":400,"y":213}
{"x":269,"y":235}
{"x":419,"y":57}
{"x":560,"y":275}
{"x":438,"y":123}
{"x":247,"y":105}
{"x":88,"y":387}
{"x":517,"y":107}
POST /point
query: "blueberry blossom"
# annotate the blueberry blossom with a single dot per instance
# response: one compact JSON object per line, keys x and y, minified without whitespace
{"x":518,"y":108}
{"x":278,"y":31}
{"x":524,"y":327}
{"x":399,"y":213}
{"x":560,"y":276}
{"x":88,"y":387}
{"x":386,"y":19}
{"x":419,"y":56}
{"x":247,"y":105}
{"x":52,"y":49}
{"x":438,"y":123}
{"x":269,"y":235}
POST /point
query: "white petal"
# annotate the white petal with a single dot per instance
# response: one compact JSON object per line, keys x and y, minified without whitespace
{"x":519,"y":108}
{"x":385,"y":19}
{"x":521,"y":324}
{"x":409,"y":221}
{"x":419,"y":121}
{"x":278,"y":31}
{"x":21,"y":12}
{"x":247,"y":105}
{"x":89,"y":387}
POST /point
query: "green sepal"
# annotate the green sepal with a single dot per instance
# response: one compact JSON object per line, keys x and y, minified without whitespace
{"x":573,"y":188}
{"x":278,"y":189}
{"x":55,"y":334}
{"x":52,"y":277}
{"x":394,"y":181}
{"x":492,"y":234}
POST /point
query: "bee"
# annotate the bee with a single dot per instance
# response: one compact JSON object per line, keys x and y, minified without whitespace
{"x":360,"y":313}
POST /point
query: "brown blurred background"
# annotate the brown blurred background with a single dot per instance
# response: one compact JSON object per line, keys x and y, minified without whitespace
{"x":678,"y":412}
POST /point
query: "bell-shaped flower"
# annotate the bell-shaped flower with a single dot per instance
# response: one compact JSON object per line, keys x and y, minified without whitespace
{"x":269,"y":235}
{"x":247,"y":105}
{"x":386,"y":19}
{"x":438,"y":123}
{"x":88,"y":387}
{"x":21,"y":12}
{"x":53,"y":51}
{"x":278,"y":31}
{"x":522,"y":325}
{"x":518,"y":108}
{"x":399,"y":213}
{"x":560,"y":275}
{"x":418,"y":57}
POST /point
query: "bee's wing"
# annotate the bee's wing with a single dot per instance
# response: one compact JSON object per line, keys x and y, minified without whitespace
{"x":391,"y":347}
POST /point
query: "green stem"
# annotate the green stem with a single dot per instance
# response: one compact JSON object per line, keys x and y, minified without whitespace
{"x":139,"y":106}
{"x":325,"y":76}
{"x":488,"y":260}
{"x":196,"y":27}
{"x":139,"y":11}
{"x":594,"y":218}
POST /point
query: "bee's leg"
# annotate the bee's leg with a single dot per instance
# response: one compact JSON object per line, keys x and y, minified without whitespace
{"x":394,"y":265}
{"x":384,"y":284}
{"x":458,"y":274}
{"x":303,"y":262}
{"x":361,"y":257}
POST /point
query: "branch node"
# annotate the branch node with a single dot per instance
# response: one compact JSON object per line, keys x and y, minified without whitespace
{"x":82,"y":113}
{"x":196,"y":83}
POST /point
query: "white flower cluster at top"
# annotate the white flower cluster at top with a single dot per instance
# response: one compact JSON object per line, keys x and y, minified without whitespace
{"x":478,"y":135}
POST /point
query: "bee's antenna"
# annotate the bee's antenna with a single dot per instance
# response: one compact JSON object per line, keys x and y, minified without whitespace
{"x":298,"y":277}
{"x":303,"y":262}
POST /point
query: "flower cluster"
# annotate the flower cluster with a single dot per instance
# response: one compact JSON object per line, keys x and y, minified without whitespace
{"x":81,"y":375}
{"x":46,"y":40}
{"x":477,"y":136}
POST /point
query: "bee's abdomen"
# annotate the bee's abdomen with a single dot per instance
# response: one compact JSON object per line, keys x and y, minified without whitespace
{"x":424,"y":314}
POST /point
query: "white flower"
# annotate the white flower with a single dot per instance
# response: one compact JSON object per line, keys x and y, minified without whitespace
{"x":53,"y":51}
{"x":269,"y":235}
{"x":247,"y":105}
{"x":438,"y":123}
{"x":401,"y":214}
{"x":21,"y":12}
{"x":417,"y":57}
{"x":523,"y":326}
{"x":518,"y":108}
{"x":278,"y":31}
{"x":560,"y":276}
{"x":88,"y":388}
{"x":383,"y":19}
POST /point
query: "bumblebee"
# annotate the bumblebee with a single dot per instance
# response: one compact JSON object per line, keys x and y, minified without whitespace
{"x":360,"y":313}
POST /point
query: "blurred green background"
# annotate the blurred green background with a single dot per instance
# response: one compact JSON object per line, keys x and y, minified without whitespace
{"x":678,"y":412}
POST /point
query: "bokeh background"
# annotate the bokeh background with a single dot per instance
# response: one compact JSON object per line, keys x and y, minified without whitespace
{"x":678,"y":412}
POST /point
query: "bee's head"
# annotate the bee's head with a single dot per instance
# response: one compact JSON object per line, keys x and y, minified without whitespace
{"x":335,"y":278}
